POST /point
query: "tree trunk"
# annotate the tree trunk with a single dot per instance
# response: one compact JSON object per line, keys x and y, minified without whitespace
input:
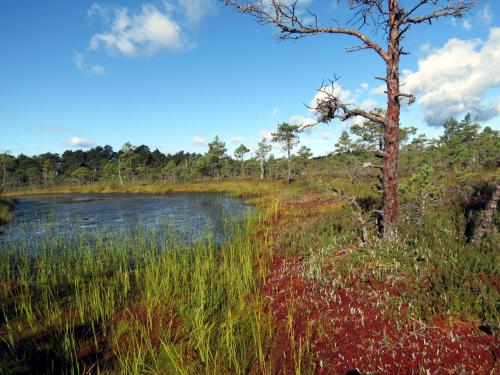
{"x":390,"y":206}
{"x":262,"y":169}
{"x":4,"y":179}
{"x":120,"y":178}
{"x":289,"y":174}
{"x":486,"y":217}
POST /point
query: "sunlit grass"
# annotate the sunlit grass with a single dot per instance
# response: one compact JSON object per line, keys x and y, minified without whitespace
{"x":146,"y":303}
{"x":136,"y":304}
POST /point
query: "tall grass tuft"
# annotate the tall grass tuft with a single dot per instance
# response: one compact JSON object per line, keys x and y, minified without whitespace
{"x":135,"y":303}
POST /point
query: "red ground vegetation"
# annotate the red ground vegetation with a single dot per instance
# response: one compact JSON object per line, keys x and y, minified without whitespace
{"x":354,"y":330}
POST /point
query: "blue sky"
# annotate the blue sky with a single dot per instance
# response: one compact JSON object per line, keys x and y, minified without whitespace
{"x":77,"y":73}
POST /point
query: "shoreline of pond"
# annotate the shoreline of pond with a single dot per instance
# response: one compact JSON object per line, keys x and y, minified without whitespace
{"x":7,"y":205}
{"x":189,"y":214}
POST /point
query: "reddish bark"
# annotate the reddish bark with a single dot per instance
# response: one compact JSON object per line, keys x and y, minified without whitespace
{"x":390,"y":17}
{"x":390,"y":204}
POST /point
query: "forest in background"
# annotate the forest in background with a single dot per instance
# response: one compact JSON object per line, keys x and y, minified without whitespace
{"x":463,"y":150}
{"x":306,"y":271}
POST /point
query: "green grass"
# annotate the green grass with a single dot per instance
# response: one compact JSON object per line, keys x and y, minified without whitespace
{"x":129,"y":305}
{"x":241,"y":188}
{"x":432,"y":271}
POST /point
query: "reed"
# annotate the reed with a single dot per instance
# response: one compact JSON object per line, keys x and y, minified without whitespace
{"x":136,"y":303}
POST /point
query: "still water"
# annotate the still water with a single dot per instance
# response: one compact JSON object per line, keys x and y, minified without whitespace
{"x":189,"y":215}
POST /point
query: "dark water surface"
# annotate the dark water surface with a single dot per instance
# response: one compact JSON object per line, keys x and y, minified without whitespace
{"x":190,"y":215}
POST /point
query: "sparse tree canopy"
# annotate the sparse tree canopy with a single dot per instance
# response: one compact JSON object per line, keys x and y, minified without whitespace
{"x":240,"y":152}
{"x":345,"y":145}
{"x":287,"y":135}
{"x":216,"y":152}
{"x":4,"y":159}
{"x":390,"y":21}
{"x":305,"y":153}
{"x":263,"y":149}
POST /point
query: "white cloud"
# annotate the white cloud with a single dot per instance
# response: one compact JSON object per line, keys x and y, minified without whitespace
{"x":314,"y":141}
{"x":146,"y":32}
{"x":467,"y":25}
{"x":326,"y":135}
{"x":196,"y":10}
{"x":456,"y":79}
{"x":97,"y":70}
{"x":486,"y":15}
{"x":425,"y":48}
{"x":80,"y":63}
{"x":379,"y":90}
{"x":237,"y":139}
{"x":369,"y":104}
{"x":364,"y":86}
{"x":79,"y":60}
{"x":98,"y":10}
{"x":275,"y":111}
{"x":80,"y":142}
{"x":266,"y":134}
{"x":198,"y":140}
{"x":301,"y":120}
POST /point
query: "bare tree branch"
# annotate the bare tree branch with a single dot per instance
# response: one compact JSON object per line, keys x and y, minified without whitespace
{"x":395,"y":20}
{"x":416,"y":7}
{"x":411,"y":97}
{"x":332,"y":107}
{"x":293,"y":26}
{"x":454,"y":8}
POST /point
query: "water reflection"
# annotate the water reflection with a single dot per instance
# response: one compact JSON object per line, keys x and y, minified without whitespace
{"x":189,"y":215}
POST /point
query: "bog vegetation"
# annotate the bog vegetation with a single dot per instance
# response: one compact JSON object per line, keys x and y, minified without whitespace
{"x":136,"y":305}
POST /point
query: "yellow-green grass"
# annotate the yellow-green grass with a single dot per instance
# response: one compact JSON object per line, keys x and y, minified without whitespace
{"x":129,"y":305}
{"x":238,"y":187}
{"x":136,"y":304}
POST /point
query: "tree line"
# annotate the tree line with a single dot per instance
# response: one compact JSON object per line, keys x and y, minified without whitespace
{"x":463,"y":149}
{"x":138,"y":163}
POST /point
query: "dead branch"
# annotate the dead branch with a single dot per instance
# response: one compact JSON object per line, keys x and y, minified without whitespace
{"x":288,"y":19}
{"x":454,"y":8}
{"x":395,"y":20}
{"x":411,"y":97}
{"x":332,"y":107}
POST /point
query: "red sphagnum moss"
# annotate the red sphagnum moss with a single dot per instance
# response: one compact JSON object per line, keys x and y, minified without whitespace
{"x":351,"y":331}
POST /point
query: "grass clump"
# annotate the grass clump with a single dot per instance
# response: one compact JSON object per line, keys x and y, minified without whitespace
{"x":432,"y":272}
{"x":134,"y":304}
